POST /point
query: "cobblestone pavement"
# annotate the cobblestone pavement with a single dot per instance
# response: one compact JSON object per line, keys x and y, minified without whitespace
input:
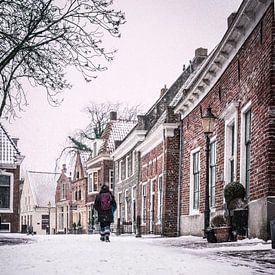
{"x":263,"y":260}
{"x":246,"y":253}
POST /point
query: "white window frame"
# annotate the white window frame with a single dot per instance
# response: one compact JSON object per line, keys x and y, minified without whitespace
{"x":244,"y":110}
{"x":160,"y":199}
{"x":152,"y":201}
{"x":193,"y":211}
{"x":111,"y":183}
{"x":133,"y":162}
{"x":213,"y":140}
{"x":133,"y":199}
{"x":144,"y":185}
{"x":231,"y":119}
{"x":10,"y":209}
{"x":91,"y":181}
{"x":119,"y":196}
{"x":120,"y":171}
{"x":127,"y":175}
{"x":126,"y":205}
{"x":6,"y":231}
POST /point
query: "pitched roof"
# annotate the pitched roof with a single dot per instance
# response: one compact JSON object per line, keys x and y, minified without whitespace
{"x":9,"y":153}
{"x":116,"y":130}
{"x":43,"y":185}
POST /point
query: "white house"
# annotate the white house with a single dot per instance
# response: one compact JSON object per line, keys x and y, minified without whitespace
{"x":37,"y":205}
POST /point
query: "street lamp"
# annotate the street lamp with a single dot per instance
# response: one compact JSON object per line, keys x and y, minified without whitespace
{"x":49,"y":209}
{"x":208,"y":122}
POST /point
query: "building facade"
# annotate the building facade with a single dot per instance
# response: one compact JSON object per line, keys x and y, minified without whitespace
{"x":79,"y":195}
{"x":237,"y":82}
{"x":10,"y":161}
{"x":37,"y":204}
{"x":100,"y":168}
{"x":63,"y":202}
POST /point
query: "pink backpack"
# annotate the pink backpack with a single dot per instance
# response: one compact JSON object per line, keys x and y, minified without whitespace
{"x":105,"y":201}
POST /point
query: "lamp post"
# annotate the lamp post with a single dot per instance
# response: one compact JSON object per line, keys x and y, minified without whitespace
{"x":208,"y":121}
{"x":49,"y":224}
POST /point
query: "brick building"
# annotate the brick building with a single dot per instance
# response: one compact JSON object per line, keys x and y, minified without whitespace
{"x":63,"y":202}
{"x":79,"y":190}
{"x":237,"y":81}
{"x":10,"y":161}
{"x":149,"y":187}
{"x":126,"y":171}
{"x":100,"y":165}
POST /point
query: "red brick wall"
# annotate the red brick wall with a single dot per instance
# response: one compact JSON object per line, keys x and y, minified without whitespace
{"x":254,"y":85}
{"x":13,"y":218}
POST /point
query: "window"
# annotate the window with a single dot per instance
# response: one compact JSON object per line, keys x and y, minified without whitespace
{"x":93,"y":182}
{"x":129,"y":167}
{"x":212,"y":173}
{"x":144,"y":194}
{"x":79,"y":194}
{"x":75,"y":195}
{"x":123,"y":169}
{"x":119,"y":206}
{"x":44,"y":222}
{"x":247,"y":149}
{"x":61,"y":218}
{"x":120,"y":171}
{"x":127,"y":198}
{"x":160,"y":198}
{"x":63,"y":191}
{"x":230,"y":144}
{"x":245,"y":166}
{"x":195,"y":180}
{"x":111,"y":179}
{"x":6,"y":191}
{"x":4,"y":227}
{"x":133,"y":163}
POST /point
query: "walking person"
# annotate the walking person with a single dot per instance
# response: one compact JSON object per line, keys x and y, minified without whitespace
{"x":105,"y":205}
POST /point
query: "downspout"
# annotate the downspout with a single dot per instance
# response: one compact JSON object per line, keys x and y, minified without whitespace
{"x":180,"y":178}
{"x":163,"y":184}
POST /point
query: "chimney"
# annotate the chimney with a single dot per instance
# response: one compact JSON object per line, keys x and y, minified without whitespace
{"x":113,"y":115}
{"x":200,"y":56}
{"x":141,"y":125}
{"x":64,"y":169}
{"x":231,"y":18}
{"x":200,"y":52}
{"x":163,"y":90}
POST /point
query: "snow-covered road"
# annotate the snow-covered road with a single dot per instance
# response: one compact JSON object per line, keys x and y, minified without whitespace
{"x":85,"y":254}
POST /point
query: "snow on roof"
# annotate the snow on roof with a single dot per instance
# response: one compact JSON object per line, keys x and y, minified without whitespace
{"x":43,"y":186}
{"x":116,"y":130}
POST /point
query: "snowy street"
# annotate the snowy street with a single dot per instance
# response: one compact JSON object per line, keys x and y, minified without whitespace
{"x":86,"y":254}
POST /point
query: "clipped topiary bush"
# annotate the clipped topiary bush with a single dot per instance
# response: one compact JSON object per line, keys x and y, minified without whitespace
{"x":218,"y":221}
{"x":234,"y":190}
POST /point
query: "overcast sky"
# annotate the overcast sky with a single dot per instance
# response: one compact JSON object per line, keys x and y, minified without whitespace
{"x":160,"y":36}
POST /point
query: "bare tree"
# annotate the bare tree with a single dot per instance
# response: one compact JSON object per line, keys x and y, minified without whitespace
{"x":99,"y":114}
{"x":40,"y":38}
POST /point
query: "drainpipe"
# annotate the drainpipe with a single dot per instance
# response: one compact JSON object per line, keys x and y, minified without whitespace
{"x":180,"y":178}
{"x":164,"y":182}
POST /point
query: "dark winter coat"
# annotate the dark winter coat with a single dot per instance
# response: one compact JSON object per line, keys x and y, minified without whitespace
{"x":105,"y":215}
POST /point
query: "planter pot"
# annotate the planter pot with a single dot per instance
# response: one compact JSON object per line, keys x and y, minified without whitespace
{"x":222,"y":234}
{"x":210,"y":235}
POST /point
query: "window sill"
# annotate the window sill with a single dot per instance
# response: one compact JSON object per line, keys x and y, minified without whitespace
{"x":4,"y":210}
{"x":93,"y":192}
{"x":194,"y":213}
